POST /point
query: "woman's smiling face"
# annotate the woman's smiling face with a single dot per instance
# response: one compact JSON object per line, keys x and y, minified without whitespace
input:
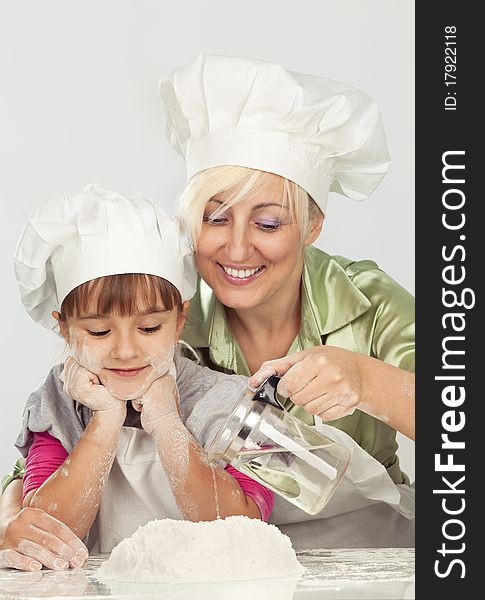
{"x":127,"y":353}
{"x":251,"y":252}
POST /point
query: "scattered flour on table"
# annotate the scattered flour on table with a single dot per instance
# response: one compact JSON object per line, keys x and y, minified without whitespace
{"x":227,"y":549}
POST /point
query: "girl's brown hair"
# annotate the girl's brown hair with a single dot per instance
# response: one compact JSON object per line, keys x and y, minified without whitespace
{"x":123,"y":295}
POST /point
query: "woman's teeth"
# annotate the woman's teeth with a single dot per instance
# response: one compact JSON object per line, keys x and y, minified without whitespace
{"x":240,"y":273}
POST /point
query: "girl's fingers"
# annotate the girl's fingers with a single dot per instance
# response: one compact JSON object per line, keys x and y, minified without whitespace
{"x":58,"y":531}
{"x":14,"y":560}
{"x":44,"y":538}
{"x":137,"y":405}
{"x":41,"y":554}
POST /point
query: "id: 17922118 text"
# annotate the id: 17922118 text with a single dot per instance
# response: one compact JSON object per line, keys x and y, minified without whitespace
{"x":450,"y":67}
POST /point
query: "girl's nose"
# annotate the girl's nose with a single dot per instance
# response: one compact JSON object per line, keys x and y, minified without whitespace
{"x":124,"y":347}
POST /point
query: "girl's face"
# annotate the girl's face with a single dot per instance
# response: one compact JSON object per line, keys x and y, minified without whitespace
{"x":251,"y":253}
{"x":127,"y":353}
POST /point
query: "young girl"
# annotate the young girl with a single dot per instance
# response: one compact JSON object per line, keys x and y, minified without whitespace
{"x":125,"y":445}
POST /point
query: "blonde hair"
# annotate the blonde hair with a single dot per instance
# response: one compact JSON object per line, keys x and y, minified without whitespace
{"x":238,"y":183}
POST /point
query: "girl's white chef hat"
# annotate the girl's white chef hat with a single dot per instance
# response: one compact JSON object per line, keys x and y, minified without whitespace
{"x":73,"y":239}
{"x":321,"y":134}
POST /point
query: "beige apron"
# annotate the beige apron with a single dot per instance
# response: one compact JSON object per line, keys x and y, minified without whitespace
{"x":137,"y":491}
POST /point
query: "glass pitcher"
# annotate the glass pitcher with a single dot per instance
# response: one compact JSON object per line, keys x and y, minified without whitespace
{"x":277,"y":450}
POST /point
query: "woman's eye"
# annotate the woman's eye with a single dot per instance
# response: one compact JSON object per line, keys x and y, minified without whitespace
{"x":151,"y":329}
{"x":99,"y":333}
{"x":269,"y":225}
{"x":219,"y":220}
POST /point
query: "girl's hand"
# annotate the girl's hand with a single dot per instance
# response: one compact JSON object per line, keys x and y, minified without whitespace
{"x":85,"y":387}
{"x":33,"y":538}
{"x":158,"y":402}
{"x":325,"y":380}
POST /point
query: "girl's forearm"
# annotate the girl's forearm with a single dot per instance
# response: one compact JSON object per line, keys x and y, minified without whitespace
{"x":73,"y":493}
{"x":202,"y":491}
{"x":389,"y":395}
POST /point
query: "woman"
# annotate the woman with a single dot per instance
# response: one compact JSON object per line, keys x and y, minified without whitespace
{"x":263,"y":147}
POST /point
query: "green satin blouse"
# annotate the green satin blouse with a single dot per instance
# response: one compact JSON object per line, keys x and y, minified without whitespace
{"x":352,"y":305}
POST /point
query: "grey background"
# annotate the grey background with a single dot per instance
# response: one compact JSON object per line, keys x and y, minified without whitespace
{"x":79,"y":103}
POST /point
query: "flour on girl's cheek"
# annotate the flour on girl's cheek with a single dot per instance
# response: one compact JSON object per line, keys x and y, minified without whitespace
{"x":88,"y":358}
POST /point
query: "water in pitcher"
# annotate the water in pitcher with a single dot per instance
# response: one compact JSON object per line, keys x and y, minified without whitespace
{"x":288,"y":475}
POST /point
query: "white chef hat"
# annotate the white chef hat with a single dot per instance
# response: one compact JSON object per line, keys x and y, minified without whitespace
{"x":73,"y":239}
{"x":321,"y":134}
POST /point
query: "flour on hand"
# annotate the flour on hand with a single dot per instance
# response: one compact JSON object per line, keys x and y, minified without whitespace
{"x":226,"y":549}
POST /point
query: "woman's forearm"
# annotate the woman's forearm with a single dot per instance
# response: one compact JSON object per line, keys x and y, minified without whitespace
{"x":389,"y":395}
{"x":202,"y":491}
{"x":73,"y":493}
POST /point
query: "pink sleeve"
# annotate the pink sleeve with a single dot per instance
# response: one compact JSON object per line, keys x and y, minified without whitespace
{"x":262,"y":496}
{"x":45,"y":455}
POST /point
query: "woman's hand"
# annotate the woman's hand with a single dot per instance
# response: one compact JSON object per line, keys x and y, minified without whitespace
{"x":158,"y":402}
{"x":85,"y":387}
{"x":325,"y":380}
{"x":33,"y":538}
{"x":332,"y":382}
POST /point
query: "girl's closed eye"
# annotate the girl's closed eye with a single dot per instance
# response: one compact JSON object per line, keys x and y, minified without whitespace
{"x":99,"y":333}
{"x":151,"y":329}
{"x":105,"y":332}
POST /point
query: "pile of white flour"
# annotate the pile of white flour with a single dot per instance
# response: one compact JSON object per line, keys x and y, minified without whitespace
{"x":227,"y":549}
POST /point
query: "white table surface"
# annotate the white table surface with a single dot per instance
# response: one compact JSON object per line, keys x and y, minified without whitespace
{"x":354,"y":574}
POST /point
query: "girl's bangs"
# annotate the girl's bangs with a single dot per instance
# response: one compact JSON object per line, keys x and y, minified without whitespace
{"x":124,"y":295}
